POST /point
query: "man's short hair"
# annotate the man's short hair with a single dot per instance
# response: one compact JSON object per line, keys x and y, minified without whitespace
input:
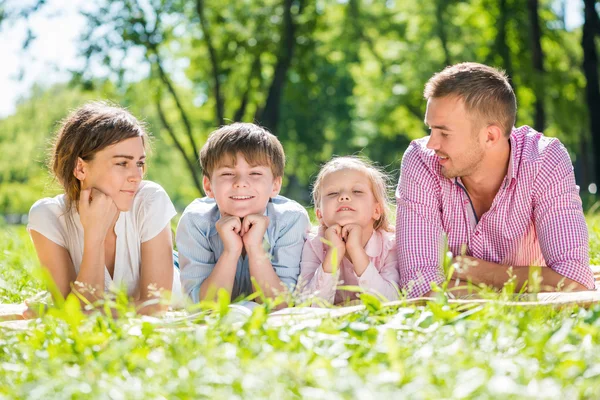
{"x":486,"y":92}
{"x":255,"y":143}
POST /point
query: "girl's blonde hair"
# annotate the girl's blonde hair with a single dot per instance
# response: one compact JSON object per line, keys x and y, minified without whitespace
{"x":377,"y":177}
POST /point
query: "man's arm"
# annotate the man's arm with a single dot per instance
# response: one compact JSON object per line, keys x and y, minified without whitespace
{"x":479,"y":271}
{"x":559,"y":219}
{"x":418,"y":225}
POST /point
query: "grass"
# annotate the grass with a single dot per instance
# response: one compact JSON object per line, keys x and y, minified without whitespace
{"x":433,"y":351}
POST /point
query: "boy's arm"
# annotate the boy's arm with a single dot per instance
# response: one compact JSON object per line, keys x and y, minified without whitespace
{"x":279,"y":273}
{"x":197,"y":260}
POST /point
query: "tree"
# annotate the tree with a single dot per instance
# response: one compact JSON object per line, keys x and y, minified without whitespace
{"x":591,"y":29}
{"x":538,"y":63}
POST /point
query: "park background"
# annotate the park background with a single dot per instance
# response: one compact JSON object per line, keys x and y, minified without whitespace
{"x":327,"y":77}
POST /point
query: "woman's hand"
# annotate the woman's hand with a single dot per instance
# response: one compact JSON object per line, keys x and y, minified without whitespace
{"x":97,"y":212}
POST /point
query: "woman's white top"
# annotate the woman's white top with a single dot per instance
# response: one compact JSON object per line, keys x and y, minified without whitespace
{"x":150,"y":212}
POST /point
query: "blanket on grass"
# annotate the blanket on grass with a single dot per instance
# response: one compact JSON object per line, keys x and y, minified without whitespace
{"x":10,"y":314}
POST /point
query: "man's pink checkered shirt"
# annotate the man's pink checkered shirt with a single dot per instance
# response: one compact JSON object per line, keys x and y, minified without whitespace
{"x":536,"y":217}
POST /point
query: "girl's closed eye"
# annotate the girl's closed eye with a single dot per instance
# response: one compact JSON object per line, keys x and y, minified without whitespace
{"x":122,"y":164}
{"x":332,"y":193}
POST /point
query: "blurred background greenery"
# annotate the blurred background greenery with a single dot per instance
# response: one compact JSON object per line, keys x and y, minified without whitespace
{"x":327,"y":77}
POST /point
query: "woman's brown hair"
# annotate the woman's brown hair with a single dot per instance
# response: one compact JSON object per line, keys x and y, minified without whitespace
{"x":86,"y":131}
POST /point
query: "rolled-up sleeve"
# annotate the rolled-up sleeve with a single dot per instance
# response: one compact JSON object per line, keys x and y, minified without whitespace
{"x":287,"y":248}
{"x":559,"y":219}
{"x":418,"y":225}
{"x":383,"y":282}
{"x":196,"y":259}
{"x":314,"y":281}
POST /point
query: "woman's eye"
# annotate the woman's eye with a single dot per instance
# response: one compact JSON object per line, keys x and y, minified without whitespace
{"x":141,"y":164}
{"x":357,"y":191}
{"x":122,"y":164}
{"x":332,"y":194}
{"x":444,"y":134}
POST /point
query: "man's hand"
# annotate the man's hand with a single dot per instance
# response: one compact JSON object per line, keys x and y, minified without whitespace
{"x":253,"y":231}
{"x":466,"y":269}
{"x":229,"y":228}
{"x":336,"y":244}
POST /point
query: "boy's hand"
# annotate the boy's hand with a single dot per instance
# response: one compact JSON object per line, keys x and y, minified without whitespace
{"x":229,"y":228}
{"x":333,"y":235}
{"x":254,"y":227}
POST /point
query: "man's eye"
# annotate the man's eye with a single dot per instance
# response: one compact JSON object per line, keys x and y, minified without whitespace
{"x":226,"y":174}
{"x":256,"y":173}
{"x":443,"y":134}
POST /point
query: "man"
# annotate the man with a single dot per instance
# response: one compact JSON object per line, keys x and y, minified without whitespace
{"x":505,"y":197}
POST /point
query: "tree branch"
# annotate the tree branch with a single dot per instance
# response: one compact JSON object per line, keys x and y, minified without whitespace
{"x":213,"y":61}
{"x":254,"y":71}
{"x":190,"y":165}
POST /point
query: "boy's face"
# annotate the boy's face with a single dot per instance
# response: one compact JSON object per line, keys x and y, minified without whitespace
{"x":241,"y":189}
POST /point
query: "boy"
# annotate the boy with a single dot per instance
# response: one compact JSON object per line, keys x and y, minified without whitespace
{"x":242,"y":229}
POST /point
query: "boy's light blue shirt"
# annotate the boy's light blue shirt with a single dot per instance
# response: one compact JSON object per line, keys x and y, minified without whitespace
{"x":200,"y":245}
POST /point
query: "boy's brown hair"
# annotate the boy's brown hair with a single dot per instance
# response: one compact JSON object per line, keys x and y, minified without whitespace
{"x":82,"y":134}
{"x":486,"y":92}
{"x":255,"y":143}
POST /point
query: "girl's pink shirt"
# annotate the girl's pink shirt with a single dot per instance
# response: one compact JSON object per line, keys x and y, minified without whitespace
{"x":381,"y":276}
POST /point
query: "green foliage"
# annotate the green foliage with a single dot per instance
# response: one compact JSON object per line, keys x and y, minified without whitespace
{"x":354,"y":82}
{"x":434,"y":351}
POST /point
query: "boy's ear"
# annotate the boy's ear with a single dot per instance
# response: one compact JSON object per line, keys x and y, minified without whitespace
{"x":80,"y":170}
{"x":207,"y":187}
{"x":276,"y":186}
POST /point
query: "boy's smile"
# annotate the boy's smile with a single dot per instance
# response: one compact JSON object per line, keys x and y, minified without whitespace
{"x":241,"y":189}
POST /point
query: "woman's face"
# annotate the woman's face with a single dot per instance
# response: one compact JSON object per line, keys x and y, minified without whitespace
{"x":116,"y":171}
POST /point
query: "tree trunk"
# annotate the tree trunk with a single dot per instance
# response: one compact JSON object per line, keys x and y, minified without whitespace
{"x":269,"y":115}
{"x":538,"y":64}
{"x":591,"y":28}
{"x":440,"y":8}
{"x":502,"y":41}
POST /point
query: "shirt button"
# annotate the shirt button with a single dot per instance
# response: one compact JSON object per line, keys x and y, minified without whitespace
{"x":476,"y":233}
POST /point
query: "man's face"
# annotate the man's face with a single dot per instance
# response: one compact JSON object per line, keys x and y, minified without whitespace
{"x":241,"y":189}
{"x":455,"y":138}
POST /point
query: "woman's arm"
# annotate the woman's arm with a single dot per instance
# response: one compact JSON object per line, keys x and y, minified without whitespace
{"x":157,"y":270}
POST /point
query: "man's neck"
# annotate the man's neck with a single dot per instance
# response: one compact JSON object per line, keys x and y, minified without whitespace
{"x":487,"y":179}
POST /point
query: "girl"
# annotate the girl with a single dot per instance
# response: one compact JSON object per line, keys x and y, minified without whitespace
{"x":351,"y":204}
{"x":109,"y":227}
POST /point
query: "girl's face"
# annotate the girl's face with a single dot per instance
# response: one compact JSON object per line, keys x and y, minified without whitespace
{"x":347,"y":198}
{"x":116,"y":171}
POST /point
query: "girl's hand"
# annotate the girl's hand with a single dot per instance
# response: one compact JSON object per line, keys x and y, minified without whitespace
{"x":355,"y":249}
{"x":98,"y":213}
{"x":333,"y":235}
{"x":352,"y":236}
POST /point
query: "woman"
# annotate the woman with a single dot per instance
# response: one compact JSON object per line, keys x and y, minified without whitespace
{"x":109,"y":227}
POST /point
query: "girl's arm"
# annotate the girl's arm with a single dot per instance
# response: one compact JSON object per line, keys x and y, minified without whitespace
{"x":157,"y":270}
{"x":385,"y":280}
{"x":56,"y":260}
{"x":313,"y":279}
